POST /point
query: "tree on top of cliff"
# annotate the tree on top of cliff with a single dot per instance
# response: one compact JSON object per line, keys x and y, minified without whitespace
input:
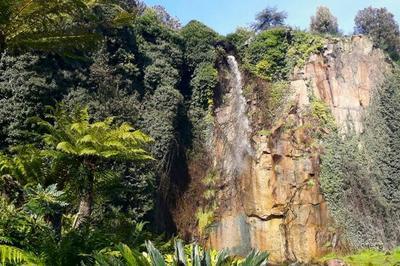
{"x":166,"y":18}
{"x":324,"y":21}
{"x":381,"y":26}
{"x":268,"y":18}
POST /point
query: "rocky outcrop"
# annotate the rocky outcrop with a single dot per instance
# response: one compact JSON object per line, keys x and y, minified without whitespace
{"x":343,"y":77}
{"x":286,"y":212}
{"x":275,"y":202}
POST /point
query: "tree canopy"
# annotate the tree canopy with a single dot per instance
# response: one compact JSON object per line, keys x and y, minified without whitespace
{"x":268,"y":18}
{"x":324,"y":22}
{"x":380,"y":24}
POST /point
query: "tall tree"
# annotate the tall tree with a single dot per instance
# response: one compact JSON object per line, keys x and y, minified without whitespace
{"x":268,"y":18}
{"x":324,"y":22}
{"x":381,"y":26}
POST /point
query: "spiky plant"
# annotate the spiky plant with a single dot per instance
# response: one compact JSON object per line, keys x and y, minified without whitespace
{"x":189,"y":255}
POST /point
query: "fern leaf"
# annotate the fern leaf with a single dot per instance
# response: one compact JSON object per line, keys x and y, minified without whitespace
{"x":66,"y":147}
{"x":80,"y":127}
{"x":87,"y":151}
{"x":114,"y":144}
{"x":87,"y":139}
{"x":10,"y":254}
{"x":109,"y":154}
{"x":99,"y":126}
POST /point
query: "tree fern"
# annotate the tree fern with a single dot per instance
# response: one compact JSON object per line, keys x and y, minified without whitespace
{"x":90,"y":143}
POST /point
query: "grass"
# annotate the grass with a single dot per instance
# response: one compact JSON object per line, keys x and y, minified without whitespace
{"x":368,"y":258}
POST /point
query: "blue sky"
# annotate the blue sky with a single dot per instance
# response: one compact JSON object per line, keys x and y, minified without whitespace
{"x":225,"y":16}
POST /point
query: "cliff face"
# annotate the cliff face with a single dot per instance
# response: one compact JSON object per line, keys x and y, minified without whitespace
{"x":273,"y":201}
{"x":284,"y":206}
{"x":343,"y":77}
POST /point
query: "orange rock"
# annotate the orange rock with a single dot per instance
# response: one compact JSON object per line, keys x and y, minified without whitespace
{"x":276,"y":203}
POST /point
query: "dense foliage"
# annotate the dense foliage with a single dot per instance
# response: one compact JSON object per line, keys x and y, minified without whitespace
{"x":380,"y":24}
{"x":102,"y":101}
{"x":80,"y":178}
{"x":274,"y":53}
{"x":360,"y":173}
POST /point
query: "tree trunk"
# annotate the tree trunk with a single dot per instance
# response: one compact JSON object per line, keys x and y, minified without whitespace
{"x":86,"y":203}
{"x":2,"y":41}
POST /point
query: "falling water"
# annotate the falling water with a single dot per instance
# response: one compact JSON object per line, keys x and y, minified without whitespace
{"x":235,"y":124}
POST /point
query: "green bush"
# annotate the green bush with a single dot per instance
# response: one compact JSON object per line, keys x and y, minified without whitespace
{"x":368,"y":257}
{"x":199,"y":44}
{"x":274,"y":53}
{"x":203,"y":83}
{"x":321,"y":111}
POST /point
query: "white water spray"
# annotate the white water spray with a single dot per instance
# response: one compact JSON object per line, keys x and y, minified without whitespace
{"x":235,"y":124}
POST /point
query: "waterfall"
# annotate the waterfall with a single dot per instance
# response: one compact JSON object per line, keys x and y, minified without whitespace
{"x":235,"y":124}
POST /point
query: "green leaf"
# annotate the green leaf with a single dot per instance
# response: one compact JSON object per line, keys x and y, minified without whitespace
{"x":66,"y":147}
{"x":13,"y":255}
{"x":156,"y":258}
{"x":180,"y":252}
{"x":87,"y":139}
{"x":88,"y":151}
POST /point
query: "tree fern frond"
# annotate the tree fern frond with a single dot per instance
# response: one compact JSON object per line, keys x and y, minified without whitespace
{"x":50,"y":139}
{"x":139,"y":135}
{"x":87,"y":139}
{"x":66,"y":147}
{"x":81,"y":127}
{"x":114,"y":144}
{"x":109,"y":154}
{"x":10,"y":254}
{"x":84,"y":114}
{"x":100,"y":125}
{"x":88,"y":151}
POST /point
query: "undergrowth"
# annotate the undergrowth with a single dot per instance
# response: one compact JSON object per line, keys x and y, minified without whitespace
{"x":368,"y":257}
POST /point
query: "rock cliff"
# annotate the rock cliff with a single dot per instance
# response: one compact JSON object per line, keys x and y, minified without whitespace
{"x":274,"y":202}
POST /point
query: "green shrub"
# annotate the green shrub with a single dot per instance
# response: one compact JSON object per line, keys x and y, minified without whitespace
{"x":321,"y":111}
{"x":273,"y":54}
{"x":199,"y":44}
{"x":205,"y":217}
{"x":203,"y":83}
{"x":368,"y":258}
